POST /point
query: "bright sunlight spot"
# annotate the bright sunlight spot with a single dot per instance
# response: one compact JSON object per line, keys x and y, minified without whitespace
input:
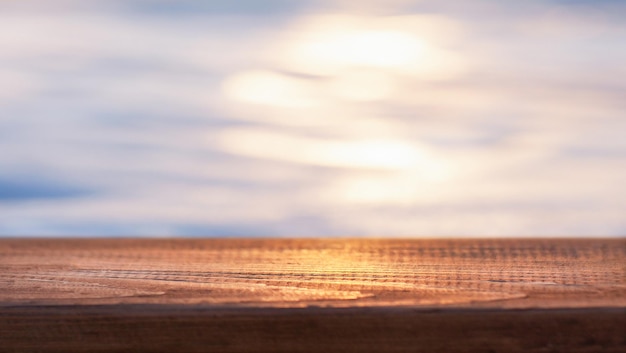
{"x":363,"y":85}
{"x":268,"y":88}
{"x":360,"y":48}
{"x":374,"y":154}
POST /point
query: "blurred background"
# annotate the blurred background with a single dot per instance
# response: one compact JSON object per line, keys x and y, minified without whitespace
{"x":312,"y":118}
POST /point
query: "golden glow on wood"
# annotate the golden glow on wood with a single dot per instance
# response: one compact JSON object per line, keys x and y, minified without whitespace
{"x":301,"y":273}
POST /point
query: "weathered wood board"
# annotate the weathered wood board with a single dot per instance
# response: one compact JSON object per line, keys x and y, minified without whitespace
{"x":471,"y":295}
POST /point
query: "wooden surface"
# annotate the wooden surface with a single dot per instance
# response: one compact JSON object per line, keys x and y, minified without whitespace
{"x":311,"y":295}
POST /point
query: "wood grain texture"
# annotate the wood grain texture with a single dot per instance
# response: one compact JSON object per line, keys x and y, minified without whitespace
{"x":304,"y":295}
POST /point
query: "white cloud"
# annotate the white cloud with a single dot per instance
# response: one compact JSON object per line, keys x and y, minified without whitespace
{"x":359,"y":123}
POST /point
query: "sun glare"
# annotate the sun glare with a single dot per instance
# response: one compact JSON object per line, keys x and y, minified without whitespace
{"x":363,"y":85}
{"x":328,"y":45}
{"x":329,"y":75}
{"x":360,"y":48}
{"x":268,"y":88}
{"x":326,"y":58}
{"x":372,"y":154}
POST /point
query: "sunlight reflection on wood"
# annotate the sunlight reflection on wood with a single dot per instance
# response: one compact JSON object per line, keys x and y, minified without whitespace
{"x":297,"y":273}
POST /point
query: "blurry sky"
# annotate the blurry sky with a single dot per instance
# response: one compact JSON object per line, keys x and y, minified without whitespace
{"x":312,"y":118}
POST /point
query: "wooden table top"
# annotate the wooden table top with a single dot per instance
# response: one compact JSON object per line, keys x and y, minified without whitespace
{"x":329,"y":273}
{"x":49,"y":280}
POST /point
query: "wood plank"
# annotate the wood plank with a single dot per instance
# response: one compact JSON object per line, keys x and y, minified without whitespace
{"x":307,"y":295}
